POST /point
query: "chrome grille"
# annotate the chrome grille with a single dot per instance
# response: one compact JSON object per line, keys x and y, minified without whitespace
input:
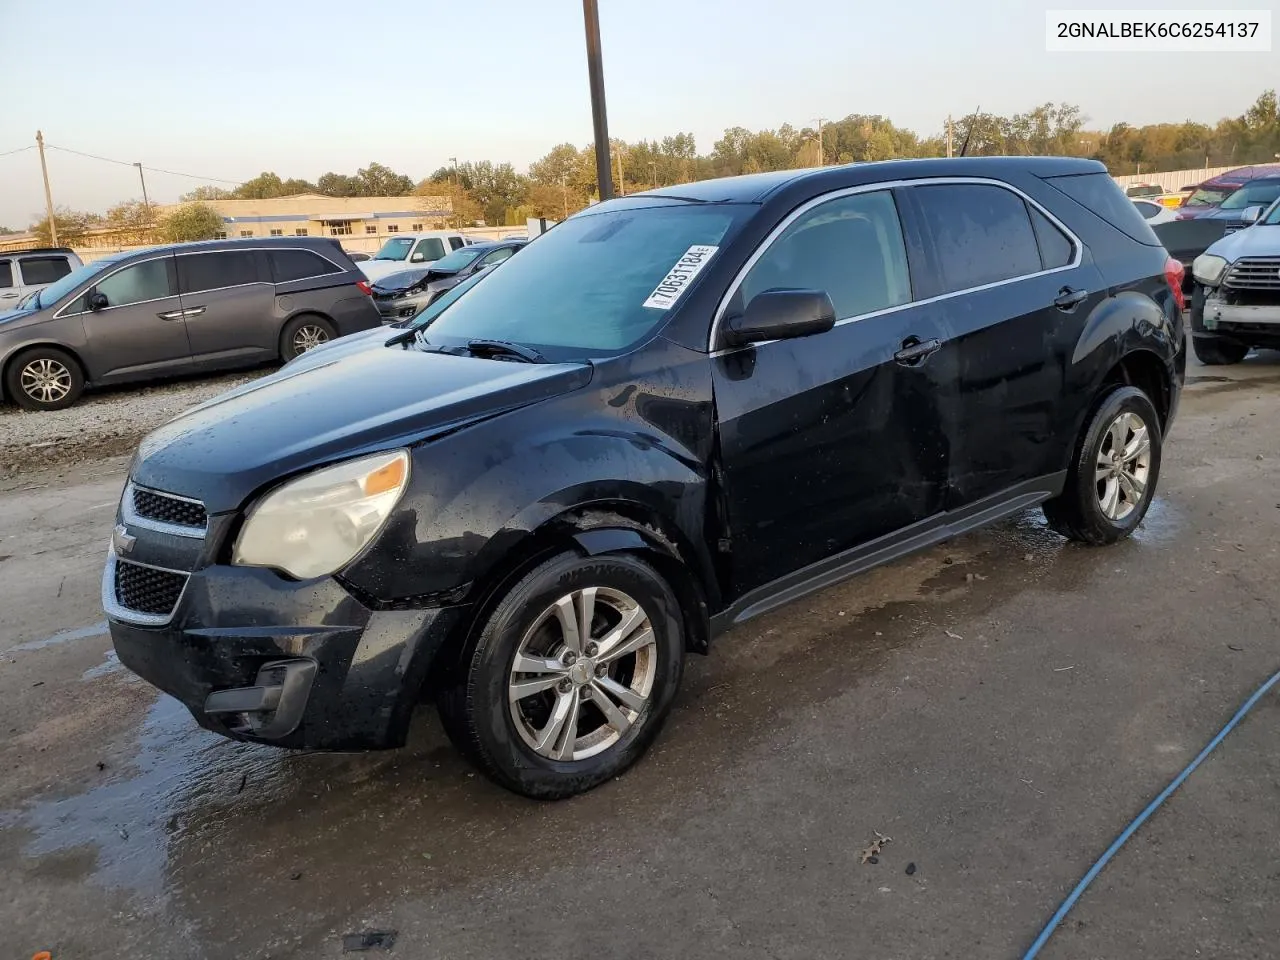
{"x":151,"y":505}
{"x":1254,"y":273}
{"x":147,"y":590}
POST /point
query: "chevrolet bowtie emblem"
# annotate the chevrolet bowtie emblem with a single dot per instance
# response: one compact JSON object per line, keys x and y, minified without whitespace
{"x":121,"y":541}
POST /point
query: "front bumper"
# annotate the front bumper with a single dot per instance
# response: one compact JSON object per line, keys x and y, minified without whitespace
{"x":1220,"y":315}
{"x":260,"y":658}
{"x":400,"y":309}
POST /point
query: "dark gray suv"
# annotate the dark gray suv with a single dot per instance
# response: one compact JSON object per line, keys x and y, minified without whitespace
{"x":186,"y":308}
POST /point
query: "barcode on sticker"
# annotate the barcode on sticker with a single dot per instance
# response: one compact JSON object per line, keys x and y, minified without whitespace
{"x":678,"y":278}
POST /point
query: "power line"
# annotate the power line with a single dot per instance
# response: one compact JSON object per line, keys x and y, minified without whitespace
{"x":9,"y":153}
{"x":126,"y":163}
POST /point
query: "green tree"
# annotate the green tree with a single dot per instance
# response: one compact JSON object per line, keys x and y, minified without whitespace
{"x":206,"y":192}
{"x":264,"y":186}
{"x":338,"y":185}
{"x":292,"y":187}
{"x":378,"y":181}
{"x":191,"y":221}
{"x":72,"y":226}
{"x":134,"y":220}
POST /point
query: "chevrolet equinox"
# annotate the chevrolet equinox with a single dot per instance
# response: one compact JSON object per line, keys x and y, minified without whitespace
{"x":671,"y":413}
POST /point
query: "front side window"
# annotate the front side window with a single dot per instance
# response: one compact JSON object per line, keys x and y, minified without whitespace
{"x":851,"y":247}
{"x":982,"y":234}
{"x":213,"y":271}
{"x":456,"y":260}
{"x":587,"y":288}
{"x":429,"y":249}
{"x":497,"y":256}
{"x":149,"y":280}
{"x":457,"y":243}
{"x":43,"y":270}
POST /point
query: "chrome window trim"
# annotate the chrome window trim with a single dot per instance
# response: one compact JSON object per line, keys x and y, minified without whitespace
{"x":131,"y":517}
{"x":194,"y":253}
{"x":111,"y":606}
{"x":1077,"y":247}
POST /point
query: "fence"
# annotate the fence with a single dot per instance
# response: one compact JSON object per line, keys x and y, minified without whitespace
{"x":1174,"y":180}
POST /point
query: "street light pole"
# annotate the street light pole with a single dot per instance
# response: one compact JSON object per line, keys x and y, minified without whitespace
{"x":146,"y":204}
{"x":599,"y":119}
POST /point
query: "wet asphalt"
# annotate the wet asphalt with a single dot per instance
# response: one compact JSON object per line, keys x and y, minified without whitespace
{"x":1000,"y":706}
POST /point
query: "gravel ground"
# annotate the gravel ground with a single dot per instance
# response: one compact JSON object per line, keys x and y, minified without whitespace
{"x":103,"y":424}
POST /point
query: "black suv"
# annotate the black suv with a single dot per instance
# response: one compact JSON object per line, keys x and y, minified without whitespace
{"x":187,"y":308}
{"x":673,"y":412}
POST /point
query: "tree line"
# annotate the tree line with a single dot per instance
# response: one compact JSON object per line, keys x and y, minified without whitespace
{"x":564,"y":180}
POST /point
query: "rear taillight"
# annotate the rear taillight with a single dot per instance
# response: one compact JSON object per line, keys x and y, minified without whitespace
{"x":365,"y":288}
{"x":1174,"y":273}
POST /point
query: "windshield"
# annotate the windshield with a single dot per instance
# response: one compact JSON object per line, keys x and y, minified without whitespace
{"x":596,"y":284}
{"x":458,"y":259}
{"x":56,"y":291}
{"x":1208,"y":196}
{"x":1252,"y":195}
{"x":395,"y":249}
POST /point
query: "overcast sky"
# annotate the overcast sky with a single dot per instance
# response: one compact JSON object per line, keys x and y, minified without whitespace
{"x":230,"y":89}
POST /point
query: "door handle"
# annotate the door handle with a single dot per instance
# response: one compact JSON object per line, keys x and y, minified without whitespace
{"x":914,"y":350}
{"x":193,"y":312}
{"x":8,"y":296}
{"x":171,"y":315}
{"x":1068,"y":299}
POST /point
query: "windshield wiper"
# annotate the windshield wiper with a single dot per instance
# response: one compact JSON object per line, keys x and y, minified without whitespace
{"x":504,"y":348}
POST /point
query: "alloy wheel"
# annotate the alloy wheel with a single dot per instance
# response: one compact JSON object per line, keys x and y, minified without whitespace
{"x":1123,"y":467}
{"x":583,"y":673}
{"x":309,"y":337}
{"x":45,"y":380}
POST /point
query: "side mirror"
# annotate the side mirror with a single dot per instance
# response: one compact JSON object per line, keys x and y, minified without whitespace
{"x":417,"y":258}
{"x":1252,"y":213}
{"x":97,"y":301}
{"x":780,"y":315}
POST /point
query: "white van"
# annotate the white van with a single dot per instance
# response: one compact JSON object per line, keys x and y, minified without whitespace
{"x":407,"y":250}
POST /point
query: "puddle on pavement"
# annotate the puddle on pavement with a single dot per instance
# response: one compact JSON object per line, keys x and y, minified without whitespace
{"x":66,"y":636}
{"x":110,"y":664}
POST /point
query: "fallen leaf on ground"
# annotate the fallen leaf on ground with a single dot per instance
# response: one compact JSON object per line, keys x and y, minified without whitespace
{"x":873,"y":850}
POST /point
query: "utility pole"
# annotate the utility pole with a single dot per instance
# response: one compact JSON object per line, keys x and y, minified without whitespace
{"x":822,"y":154}
{"x":599,"y":118}
{"x":146,"y":204}
{"x":622,"y":183}
{"x":457,"y":217}
{"x":48,"y":195}
{"x":564,"y":191}
{"x":653,"y":171}
{"x":949,"y":135}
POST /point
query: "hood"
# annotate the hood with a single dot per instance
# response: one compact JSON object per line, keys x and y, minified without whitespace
{"x":1258,"y":240}
{"x":340,"y":347}
{"x":402,"y":279}
{"x":227,"y":449}
{"x":377,"y":269}
{"x":7,"y":316}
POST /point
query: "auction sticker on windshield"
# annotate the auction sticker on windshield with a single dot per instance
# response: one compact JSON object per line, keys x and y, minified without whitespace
{"x":678,"y":278}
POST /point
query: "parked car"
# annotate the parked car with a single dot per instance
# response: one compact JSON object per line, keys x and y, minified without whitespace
{"x":403,"y":295}
{"x":179,"y":309}
{"x":1256,"y":193}
{"x":410,"y":249}
{"x":358,"y":257}
{"x":23,"y":272}
{"x":1209,"y":195}
{"x":1154,"y":212}
{"x":1143,"y":190}
{"x":1236,"y":302}
{"x":672,"y":413}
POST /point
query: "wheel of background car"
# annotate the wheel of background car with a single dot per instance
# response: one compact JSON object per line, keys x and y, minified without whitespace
{"x":571,"y":677}
{"x":44,"y":378}
{"x":1114,"y":474}
{"x":1217,"y":351}
{"x":304,"y":333}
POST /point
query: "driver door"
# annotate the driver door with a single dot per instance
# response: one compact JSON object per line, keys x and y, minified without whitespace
{"x":141,"y":330}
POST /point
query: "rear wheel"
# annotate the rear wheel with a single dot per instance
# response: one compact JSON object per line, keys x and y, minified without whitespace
{"x":573,"y":674}
{"x":1217,"y":352}
{"x":305,"y":333}
{"x":1113,"y":476}
{"x":44,"y":378}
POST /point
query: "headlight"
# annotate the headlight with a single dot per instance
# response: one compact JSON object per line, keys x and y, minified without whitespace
{"x":1208,"y":269}
{"x":316,"y":524}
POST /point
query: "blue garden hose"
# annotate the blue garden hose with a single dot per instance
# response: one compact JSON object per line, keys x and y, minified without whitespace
{"x":1142,"y":818}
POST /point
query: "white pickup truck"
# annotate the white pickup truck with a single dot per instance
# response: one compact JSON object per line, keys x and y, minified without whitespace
{"x":408,"y":250}
{"x":23,"y":272}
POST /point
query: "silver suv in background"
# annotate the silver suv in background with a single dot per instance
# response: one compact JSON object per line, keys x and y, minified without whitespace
{"x":22,"y":272}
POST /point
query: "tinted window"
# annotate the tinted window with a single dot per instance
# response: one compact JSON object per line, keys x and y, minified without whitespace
{"x":1056,"y":250}
{"x":851,"y":247}
{"x":298,"y":264}
{"x":982,"y":234}
{"x":6,"y":274}
{"x":213,"y":271}
{"x":1102,"y":196}
{"x":43,"y":269}
{"x":431,"y":248}
{"x":149,"y":280}
{"x":497,"y":256}
{"x":1147,"y":209}
{"x":456,"y":243}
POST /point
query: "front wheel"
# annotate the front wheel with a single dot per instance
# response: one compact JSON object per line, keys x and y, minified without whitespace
{"x":1217,"y":352}
{"x":573,"y":674}
{"x":1113,"y":477}
{"x":44,"y":378}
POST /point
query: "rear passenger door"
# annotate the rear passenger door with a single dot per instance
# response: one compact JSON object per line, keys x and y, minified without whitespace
{"x":228,"y":303}
{"x":1013,"y":290}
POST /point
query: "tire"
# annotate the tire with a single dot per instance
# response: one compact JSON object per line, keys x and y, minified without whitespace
{"x":1217,"y":352}
{"x":1085,"y":510}
{"x":44,"y":378}
{"x":303,"y":333}
{"x":502,"y":737}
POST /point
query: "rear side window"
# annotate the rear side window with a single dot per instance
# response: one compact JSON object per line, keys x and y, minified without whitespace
{"x":43,"y":269}
{"x":1056,"y":249}
{"x":213,"y":271}
{"x":1103,"y":197}
{"x":6,"y":274}
{"x":456,"y":243}
{"x":289,"y":265}
{"x":982,"y":234}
